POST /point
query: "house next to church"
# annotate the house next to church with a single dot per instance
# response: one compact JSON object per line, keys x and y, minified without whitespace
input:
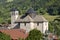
{"x":30,"y":20}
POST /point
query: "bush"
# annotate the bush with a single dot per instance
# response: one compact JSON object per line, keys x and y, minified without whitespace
{"x":34,"y":35}
{"x":4,"y":36}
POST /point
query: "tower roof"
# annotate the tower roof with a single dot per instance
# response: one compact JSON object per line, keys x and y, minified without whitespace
{"x":14,"y":9}
{"x":30,"y":11}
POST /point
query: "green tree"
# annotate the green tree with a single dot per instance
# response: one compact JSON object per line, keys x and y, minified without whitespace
{"x":51,"y":26}
{"x":57,"y":26}
{"x":34,"y":35}
{"x":4,"y":36}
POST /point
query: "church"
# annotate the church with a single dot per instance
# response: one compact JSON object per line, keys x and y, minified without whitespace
{"x":28,"y":21}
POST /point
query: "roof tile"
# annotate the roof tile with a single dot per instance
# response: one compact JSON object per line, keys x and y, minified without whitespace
{"x":15,"y":33}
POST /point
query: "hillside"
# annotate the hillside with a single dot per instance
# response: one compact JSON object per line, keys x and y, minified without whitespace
{"x":52,"y":7}
{"x":50,"y":17}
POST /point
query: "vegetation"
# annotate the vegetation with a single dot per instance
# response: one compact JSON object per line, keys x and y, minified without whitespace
{"x":34,"y":35}
{"x":50,"y":18}
{"x":54,"y":26}
{"x":20,"y":39}
{"x":4,"y":36}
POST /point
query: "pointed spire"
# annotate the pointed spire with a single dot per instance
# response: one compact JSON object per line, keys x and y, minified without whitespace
{"x":14,"y":9}
{"x":31,"y":13}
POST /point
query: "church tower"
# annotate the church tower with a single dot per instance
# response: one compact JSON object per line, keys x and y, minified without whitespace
{"x":14,"y":15}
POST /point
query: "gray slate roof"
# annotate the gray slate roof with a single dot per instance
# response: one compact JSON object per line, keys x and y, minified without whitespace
{"x":30,"y":11}
{"x":31,"y":16}
{"x":14,"y":9}
{"x":37,"y":18}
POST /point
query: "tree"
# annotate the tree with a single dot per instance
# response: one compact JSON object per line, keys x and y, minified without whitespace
{"x":35,"y":35}
{"x":51,"y":26}
{"x":4,"y":36}
{"x":57,"y":26}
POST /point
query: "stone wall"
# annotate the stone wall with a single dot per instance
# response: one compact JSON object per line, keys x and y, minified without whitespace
{"x":25,"y":26}
{"x":39,"y":26}
{"x":45,"y":26}
{"x":42,"y":26}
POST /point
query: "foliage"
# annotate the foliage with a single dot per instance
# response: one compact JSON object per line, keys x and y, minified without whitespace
{"x":54,"y":26}
{"x":57,"y":26}
{"x":50,"y":18}
{"x":51,"y":26}
{"x":4,"y":36}
{"x":34,"y":35}
{"x":20,"y":39}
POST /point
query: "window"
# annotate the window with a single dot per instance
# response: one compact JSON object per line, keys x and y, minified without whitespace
{"x":25,"y":24}
{"x":37,"y":24}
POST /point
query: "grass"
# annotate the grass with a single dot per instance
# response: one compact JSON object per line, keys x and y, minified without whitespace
{"x":49,"y":17}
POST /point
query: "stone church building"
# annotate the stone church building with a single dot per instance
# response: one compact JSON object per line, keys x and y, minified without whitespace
{"x":28,"y":21}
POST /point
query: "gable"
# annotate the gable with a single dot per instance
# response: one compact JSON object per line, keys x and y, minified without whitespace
{"x":37,"y":18}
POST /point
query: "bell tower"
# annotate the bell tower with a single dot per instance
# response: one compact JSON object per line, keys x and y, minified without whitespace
{"x":14,"y":15}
